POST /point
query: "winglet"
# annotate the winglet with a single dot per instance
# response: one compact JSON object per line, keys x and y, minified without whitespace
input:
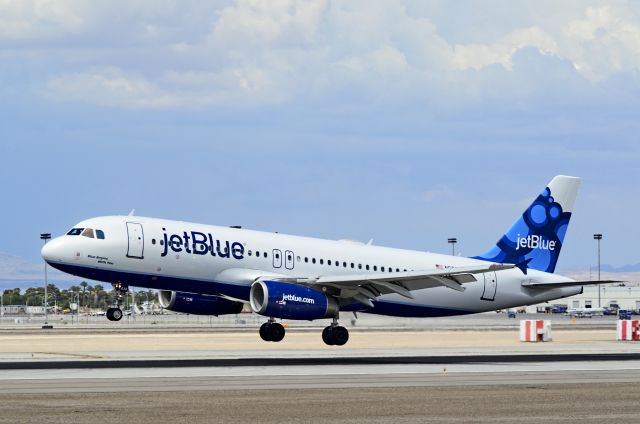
{"x":132,"y":213}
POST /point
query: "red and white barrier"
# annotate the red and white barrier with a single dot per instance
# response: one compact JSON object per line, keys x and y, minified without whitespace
{"x":535,"y":330}
{"x":628,"y":329}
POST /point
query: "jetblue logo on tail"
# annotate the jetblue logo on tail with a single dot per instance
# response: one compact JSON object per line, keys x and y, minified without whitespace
{"x":535,"y":239}
{"x":535,"y":242}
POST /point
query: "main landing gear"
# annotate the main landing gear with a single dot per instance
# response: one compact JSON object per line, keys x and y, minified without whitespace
{"x":272,"y":331}
{"x":115,"y":313}
{"x":335,"y":335}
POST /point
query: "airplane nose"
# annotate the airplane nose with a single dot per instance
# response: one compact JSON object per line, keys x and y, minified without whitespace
{"x":51,"y":250}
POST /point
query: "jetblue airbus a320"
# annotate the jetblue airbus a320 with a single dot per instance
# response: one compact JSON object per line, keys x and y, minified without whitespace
{"x":209,"y":270}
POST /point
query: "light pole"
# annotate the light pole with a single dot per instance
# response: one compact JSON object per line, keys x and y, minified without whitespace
{"x":452,"y":241}
{"x":597,"y":237}
{"x":46,"y":237}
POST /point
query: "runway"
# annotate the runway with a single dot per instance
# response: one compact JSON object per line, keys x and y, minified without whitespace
{"x":550,"y":392}
{"x":583,"y":376}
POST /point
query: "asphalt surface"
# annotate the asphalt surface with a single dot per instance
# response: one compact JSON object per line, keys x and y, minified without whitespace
{"x":533,"y":402}
{"x":390,"y":376}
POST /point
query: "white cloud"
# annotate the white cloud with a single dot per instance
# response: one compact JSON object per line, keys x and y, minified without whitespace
{"x":248,"y":52}
{"x":115,"y":88}
{"x":262,"y":23}
{"x":29,"y":19}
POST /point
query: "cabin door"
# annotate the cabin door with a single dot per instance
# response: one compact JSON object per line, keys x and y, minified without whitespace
{"x":490,"y":286}
{"x":136,"y":240}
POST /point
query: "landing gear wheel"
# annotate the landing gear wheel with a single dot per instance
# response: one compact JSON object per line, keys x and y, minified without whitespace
{"x":335,"y":335}
{"x":272,"y":332}
{"x":277,"y":332}
{"x":327,"y":335}
{"x":114,"y":314}
{"x":340,"y":336}
{"x":264,"y":332}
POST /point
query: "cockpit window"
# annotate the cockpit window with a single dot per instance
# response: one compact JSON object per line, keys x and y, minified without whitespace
{"x":88,"y":232}
{"x":75,"y":231}
{"x":100,"y":234}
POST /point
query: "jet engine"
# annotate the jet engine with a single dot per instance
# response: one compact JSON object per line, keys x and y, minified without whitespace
{"x":198,"y":304}
{"x":285,"y":300}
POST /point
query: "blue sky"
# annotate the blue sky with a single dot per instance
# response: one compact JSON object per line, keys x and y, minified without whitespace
{"x":406,"y":122}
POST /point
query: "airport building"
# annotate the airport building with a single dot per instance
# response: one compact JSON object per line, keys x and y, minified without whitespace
{"x":626,"y":297}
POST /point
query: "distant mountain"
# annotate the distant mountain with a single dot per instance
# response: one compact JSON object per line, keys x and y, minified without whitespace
{"x":624,"y":268}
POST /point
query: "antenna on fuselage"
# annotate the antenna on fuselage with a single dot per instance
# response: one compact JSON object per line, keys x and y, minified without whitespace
{"x":132,"y":213}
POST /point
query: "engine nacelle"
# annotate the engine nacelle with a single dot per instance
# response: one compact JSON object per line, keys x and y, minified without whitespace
{"x":198,"y":304}
{"x":285,"y":300}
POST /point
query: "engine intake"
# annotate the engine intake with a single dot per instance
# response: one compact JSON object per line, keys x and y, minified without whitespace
{"x":198,"y":304}
{"x":285,"y":300}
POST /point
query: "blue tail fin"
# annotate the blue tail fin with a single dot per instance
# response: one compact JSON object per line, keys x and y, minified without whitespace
{"x":535,"y":239}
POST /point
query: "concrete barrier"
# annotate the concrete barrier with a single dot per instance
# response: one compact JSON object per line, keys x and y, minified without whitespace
{"x":535,"y":330}
{"x":628,"y":330}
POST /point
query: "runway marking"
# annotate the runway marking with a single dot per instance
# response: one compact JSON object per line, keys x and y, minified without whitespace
{"x":71,"y":355}
{"x":333,"y":360}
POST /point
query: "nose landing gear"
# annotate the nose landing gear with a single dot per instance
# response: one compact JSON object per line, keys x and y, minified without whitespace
{"x":115,"y":313}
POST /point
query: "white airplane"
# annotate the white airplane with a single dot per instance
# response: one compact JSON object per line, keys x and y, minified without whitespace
{"x":585,"y":312}
{"x":211,"y":270}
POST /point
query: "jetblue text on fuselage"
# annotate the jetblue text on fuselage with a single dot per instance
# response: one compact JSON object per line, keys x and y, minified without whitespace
{"x":535,"y":242}
{"x":197,"y":243}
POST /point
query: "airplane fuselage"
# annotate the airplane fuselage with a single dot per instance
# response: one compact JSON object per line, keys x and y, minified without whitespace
{"x":222,"y":261}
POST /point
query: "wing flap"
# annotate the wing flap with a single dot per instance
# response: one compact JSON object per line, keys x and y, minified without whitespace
{"x":365,"y":287}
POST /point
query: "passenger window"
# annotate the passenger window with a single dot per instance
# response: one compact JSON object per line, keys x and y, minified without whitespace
{"x":382,"y":268}
{"x":352,"y":265}
{"x":88,"y":232}
{"x":344,"y":264}
{"x":329,"y":262}
{"x":277,"y":256}
{"x":397,"y":269}
{"x":75,"y":231}
{"x":161,"y":242}
{"x":264,"y":254}
{"x":298,"y":258}
{"x":337,"y":263}
{"x":367,"y":267}
{"x":306,"y":259}
{"x":257,"y":254}
{"x":153,"y":241}
{"x":313,"y":260}
{"x":321,"y":261}
{"x":100,"y":235}
{"x":359,"y":266}
{"x":375,"y":267}
{"x":249,"y":253}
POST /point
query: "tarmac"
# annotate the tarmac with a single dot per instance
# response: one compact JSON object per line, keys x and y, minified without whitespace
{"x":458,"y":371}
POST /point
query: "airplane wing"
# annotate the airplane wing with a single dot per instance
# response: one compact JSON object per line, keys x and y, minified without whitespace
{"x":362,"y":288}
{"x":551,"y":285}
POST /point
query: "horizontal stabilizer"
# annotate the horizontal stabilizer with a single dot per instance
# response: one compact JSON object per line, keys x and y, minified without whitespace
{"x":543,"y":285}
